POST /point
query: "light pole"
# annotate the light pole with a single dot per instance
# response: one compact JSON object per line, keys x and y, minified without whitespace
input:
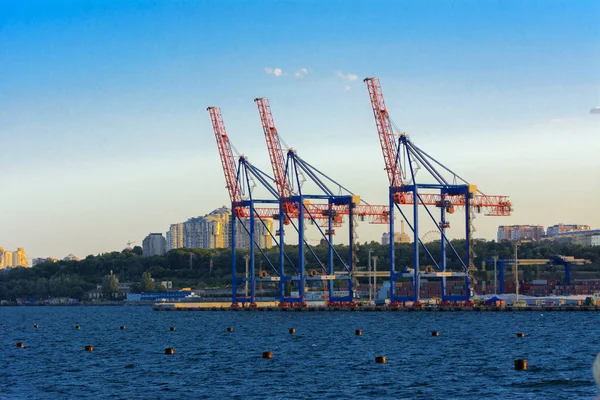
{"x":495,"y":258}
{"x":370,"y":278}
{"x":247,"y":258}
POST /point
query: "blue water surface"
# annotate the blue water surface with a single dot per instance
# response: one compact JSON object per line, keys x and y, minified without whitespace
{"x":472,"y":358}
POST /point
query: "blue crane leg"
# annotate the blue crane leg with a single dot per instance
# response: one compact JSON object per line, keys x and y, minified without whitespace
{"x":415,"y":244}
{"x":233,"y":261}
{"x":281,"y":254}
{"x":301,"y":282}
{"x":391,"y":249}
{"x":443,"y":246}
{"x":330,"y":255}
{"x":252,"y":272}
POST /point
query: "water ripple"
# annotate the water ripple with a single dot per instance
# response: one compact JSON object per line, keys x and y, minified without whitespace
{"x":472,"y":358}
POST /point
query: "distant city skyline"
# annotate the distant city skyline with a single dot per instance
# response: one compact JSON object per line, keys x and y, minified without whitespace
{"x":106,"y":137}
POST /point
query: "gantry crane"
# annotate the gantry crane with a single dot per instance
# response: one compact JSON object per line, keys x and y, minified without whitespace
{"x":295,"y":203}
{"x":404,"y":190}
{"x":243,"y":207}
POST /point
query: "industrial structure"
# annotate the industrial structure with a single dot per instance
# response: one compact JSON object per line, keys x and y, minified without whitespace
{"x":322,"y":207}
{"x":295,"y":208}
{"x":292,"y":204}
{"x":446,"y":191}
{"x":501,"y":264}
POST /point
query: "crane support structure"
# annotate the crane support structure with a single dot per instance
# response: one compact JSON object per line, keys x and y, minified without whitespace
{"x":446,"y":191}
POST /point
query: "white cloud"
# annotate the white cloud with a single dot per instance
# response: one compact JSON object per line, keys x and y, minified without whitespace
{"x":347,"y":88}
{"x":275,"y":71}
{"x":301,"y":73}
{"x":595,"y":110}
{"x":348,"y":76}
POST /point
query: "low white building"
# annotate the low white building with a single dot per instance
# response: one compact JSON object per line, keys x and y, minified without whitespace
{"x":590,"y":240}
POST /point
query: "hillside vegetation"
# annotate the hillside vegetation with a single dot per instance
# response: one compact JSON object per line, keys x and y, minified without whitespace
{"x":75,"y":278}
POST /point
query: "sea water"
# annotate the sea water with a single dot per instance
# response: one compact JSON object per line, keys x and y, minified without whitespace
{"x":472,"y":358}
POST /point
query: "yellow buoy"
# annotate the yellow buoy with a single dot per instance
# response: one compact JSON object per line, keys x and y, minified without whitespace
{"x":520,"y":334}
{"x":77,"y":327}
{"x":89,"y":348}
{"x":435,"y":333}
{"x":172,"y":329}
{"x":380,"y":360}
{"x":520,"y":365}
{"x":20,"y":344}
{"x":358,"y":332}
{"x":267,"y":354}
{"x":292,"y":331}
{"x":169,"y":350}
{"x":229,"y":329}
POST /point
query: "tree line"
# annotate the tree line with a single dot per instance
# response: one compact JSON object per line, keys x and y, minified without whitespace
{"x":200,"y":268}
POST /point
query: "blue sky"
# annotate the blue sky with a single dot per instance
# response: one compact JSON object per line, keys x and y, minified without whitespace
{"x":104,"y":135}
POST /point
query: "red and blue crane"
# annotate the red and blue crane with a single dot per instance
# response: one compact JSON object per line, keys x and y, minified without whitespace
{"x":290,"y":171}
{"x":402,"y":160}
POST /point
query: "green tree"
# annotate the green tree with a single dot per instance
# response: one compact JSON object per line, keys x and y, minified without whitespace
{"x":110,"y":284}
{"x":147,"y":284}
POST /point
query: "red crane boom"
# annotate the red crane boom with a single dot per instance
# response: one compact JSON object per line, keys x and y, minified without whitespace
{"x":386,"y":133}
{"x":227,"y":159}
{"x":274,"y":147}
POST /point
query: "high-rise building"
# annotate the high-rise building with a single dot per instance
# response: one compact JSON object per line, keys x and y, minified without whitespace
{"x":557,"y":229}
{"x":154,"y":245}
{"x":8,"y":259}
{"x":213,"y":231}
{"x":175,"y":237}
{"x":20,"y":258}
{"x":520,"y":232}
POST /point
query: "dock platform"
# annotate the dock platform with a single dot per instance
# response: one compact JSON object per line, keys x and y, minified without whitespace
{"x":274,"y":308}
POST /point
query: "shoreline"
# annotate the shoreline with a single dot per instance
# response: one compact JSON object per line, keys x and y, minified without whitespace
{"x":270,"y":308}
